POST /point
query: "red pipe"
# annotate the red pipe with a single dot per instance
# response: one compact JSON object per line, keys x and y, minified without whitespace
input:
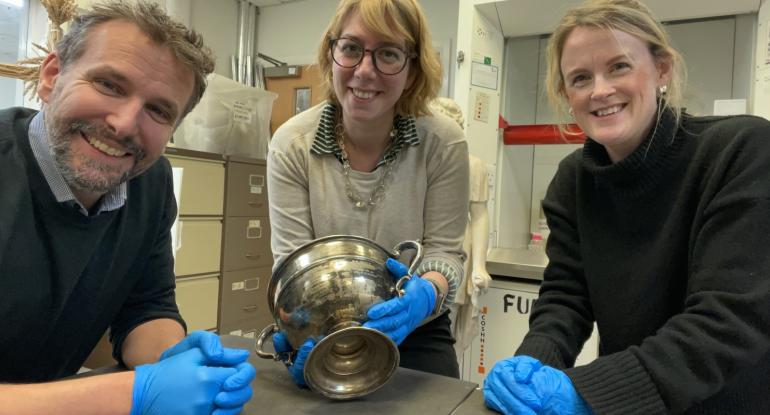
{"x":542,"y":134}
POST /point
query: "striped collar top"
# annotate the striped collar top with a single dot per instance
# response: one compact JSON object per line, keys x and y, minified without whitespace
{"x":38,"y":140}
{"x":325,"y":141}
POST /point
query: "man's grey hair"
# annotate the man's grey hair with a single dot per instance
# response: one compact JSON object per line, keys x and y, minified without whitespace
{"x":185,"y":44}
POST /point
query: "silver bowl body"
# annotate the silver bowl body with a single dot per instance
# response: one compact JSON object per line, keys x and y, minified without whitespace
{"x":323,"y":291}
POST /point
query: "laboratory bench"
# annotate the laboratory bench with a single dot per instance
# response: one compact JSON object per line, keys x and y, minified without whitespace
{"x":518,"y":263}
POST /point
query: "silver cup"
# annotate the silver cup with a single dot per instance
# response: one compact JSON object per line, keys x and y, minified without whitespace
{"x":323,"y":290}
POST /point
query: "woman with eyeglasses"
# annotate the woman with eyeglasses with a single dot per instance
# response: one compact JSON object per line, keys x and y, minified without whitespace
{"x":372,"y":161}
{"x":660,"y":233}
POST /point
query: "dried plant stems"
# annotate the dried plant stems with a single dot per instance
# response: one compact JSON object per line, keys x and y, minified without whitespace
{"x":59,"y":12}
{"x":28,"y":70}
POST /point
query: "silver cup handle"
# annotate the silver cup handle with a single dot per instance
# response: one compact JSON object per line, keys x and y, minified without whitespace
{"x":416,"y":260}
{"x":267,"y":331}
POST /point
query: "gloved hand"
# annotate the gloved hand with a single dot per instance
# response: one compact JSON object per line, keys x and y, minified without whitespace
{"x":295,"y":361}
{"x":399,"y":316}
{"x":211,"y":347}
{"x":183,"y":384}
{"x":237,"y":389}
{"x":523,"y":385}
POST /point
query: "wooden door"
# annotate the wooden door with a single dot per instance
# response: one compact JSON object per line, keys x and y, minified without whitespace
{"x":290,"y":94}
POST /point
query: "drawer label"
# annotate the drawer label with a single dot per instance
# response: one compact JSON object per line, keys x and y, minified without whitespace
{"x":254,"y":230}
{"x":251,"y":284}
{"x":256,"y":182}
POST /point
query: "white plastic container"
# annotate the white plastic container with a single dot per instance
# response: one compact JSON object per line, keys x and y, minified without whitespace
{"x":231,"y":119}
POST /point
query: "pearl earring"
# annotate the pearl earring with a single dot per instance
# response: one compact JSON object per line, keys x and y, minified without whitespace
{"x":571,"y":112}
{"x":662,"y":89}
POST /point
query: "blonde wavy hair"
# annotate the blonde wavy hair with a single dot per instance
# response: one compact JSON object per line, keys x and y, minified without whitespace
{"x":628,"y":16}
{"x":389,"y":19}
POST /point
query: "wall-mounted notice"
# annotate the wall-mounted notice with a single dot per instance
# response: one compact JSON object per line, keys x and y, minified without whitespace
{"x":729,"y":106}
{"x":481,"y":107}
{"x":484,"y":76}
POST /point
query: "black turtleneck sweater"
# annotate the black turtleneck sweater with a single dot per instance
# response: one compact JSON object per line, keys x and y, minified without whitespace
{"x":65,"y":277}
{"x":668,"y":250}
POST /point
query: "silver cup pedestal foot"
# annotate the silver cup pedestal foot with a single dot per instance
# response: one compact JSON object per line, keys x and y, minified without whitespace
{"x":351,"y":363}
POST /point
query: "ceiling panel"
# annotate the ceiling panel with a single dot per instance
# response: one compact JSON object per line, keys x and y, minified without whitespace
{"x":534,"y":17}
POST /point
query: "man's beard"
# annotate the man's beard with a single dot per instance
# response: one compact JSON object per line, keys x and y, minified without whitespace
{"x":87,"y":174}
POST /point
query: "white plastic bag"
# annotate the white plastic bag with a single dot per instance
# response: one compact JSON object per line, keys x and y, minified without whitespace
{"x":231,"y":119}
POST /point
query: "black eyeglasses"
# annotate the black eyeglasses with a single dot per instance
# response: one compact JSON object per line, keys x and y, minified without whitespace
{"x":387,"y":59}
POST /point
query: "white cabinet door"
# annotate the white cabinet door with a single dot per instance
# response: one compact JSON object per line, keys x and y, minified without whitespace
{"x":504,"y":320}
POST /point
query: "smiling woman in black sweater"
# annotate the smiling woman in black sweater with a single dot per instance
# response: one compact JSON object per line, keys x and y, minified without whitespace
{"x":660,"y":233}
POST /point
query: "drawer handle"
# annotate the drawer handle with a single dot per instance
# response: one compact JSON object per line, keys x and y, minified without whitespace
{"x":250,"y":308}
{"x":254,"y":257}
{"x":256,"y":204}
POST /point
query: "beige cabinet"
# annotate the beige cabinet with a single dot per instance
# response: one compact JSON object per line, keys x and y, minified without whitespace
{"x":198,"y":299}
{"x":203,"y":185}
{"x":199,"y":231}
{"x":200,"y":247}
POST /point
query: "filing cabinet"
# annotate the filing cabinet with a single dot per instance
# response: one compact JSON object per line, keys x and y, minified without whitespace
{"x":199,"y":233}
{"x":247,"y":242}
{"x":243,"y":309}
{"x":247,"y":259}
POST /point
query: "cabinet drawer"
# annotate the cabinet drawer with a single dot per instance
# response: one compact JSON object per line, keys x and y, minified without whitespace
{"x":246,"y":190}
{"x":197,"y":299}
{"x":247,"y":243}
{"x":201,"y":243}
{"x":203,"y":186}
{"x":243,"y":301}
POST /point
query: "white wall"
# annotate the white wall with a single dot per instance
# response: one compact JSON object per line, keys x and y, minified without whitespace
{"x":761,"y":90}
{"x":217,"y":22}
{"x":291,"y":32}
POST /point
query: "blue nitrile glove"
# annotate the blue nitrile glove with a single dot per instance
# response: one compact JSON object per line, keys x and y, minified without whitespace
{"x":522,"y":384}
{"x":399,"y":316}
{"x":236,"y":390}
{"x":211,"y":346}
{"x":181,"y":384}
{"x":296,"y":366}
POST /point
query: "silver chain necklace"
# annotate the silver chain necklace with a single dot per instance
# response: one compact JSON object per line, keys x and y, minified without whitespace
{"x":382,"y":183}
